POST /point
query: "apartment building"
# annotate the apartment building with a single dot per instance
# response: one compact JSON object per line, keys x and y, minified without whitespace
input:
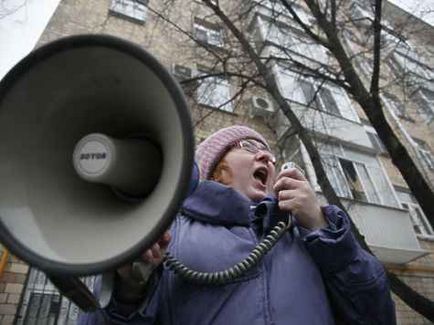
{"x":187,"y":39}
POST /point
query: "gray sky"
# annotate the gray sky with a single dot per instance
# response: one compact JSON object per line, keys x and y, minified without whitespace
{"x":23,"y":21}
{"x":21,"y":24}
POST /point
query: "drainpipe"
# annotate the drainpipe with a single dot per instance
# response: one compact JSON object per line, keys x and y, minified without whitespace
{"x":4,"y":261}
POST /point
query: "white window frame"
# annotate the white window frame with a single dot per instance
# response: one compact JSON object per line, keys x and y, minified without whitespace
{"x":427,"y":158}
{"x":135,"y":10}
{"x":360,"y":13}
{"x":367,"y":66}
{"x":346,"y":188}
{"x":342,"y":102}
{"x":394,"y":106}
{"x":418,"y":220}
{"x":362,"y":181}
{"x":207,"y":90}
{"x":337,"y":178}
{"x":426,"y":104}
{"x":424,"y":153}
{"x":284,"y":35}
{"x":38,"y":283}
{"x":375,"y":140}
{"x":277,"y":8}
{"x":409,"y":64}
{"x":213,"y":36}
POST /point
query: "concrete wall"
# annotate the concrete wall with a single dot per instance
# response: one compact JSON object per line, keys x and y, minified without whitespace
{"x":11,"y":286}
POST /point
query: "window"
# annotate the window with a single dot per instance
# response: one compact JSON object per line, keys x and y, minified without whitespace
{"x":425,"y":100}
{"x":376,"y":142}
{"x":367,"y":66}
{"x":134,"y":10}
{"x":335,"y":175}
{"x":351,"y":179}
{"x":361,"y":15}
{"x":283,"y":36}
{"x":277,"y":9}
{"x":323,"y":96}
{"x":208,"y":33}
{"x":396,"y":106}
{"x":43,"y":304}
{"x":215,"y":92}
{"x":424,"y":153}
{"x":357,"y":175}
{"x":408,"y":64}
{"x":328,"y":101}
{"x":42,"y":308}
{"x":421,"y":225}
{"x":359,"y":181}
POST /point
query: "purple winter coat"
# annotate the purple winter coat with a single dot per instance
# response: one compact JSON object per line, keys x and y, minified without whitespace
{"x":307,"y":278}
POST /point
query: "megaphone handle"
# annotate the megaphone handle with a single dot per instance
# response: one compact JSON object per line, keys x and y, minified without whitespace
{"x":142,"y":270}
{"x":76,"y":291}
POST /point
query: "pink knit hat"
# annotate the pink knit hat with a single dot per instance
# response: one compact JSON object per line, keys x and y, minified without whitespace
{"x":211,"y":151}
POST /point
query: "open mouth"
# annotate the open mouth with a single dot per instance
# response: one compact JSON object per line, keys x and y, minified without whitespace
{"x":261,"y":174}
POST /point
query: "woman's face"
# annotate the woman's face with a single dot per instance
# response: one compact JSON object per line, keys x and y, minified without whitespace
{"x":252,"y":174}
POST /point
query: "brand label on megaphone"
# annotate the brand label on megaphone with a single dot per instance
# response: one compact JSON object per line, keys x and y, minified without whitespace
{"x":93,"y":157}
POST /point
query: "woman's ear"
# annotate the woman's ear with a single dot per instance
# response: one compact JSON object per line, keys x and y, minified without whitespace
{"x":222,"y":173}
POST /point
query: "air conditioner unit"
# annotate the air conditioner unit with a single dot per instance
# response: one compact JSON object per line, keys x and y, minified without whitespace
{"x":260,"y":106}
{"x":182,"y":72}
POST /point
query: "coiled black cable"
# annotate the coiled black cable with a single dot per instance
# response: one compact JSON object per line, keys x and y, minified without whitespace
{"x":234,"y":272}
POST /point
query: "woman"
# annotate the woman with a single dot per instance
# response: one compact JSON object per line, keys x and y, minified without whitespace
{"x":315,"y":274}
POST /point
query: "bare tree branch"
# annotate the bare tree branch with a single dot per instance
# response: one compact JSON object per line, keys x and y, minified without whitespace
{"x":333,"y":12}
{"x":306,"y":28}
{"x":377,"y":47}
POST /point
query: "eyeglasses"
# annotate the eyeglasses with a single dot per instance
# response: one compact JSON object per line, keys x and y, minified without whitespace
{"x":254,"y":146}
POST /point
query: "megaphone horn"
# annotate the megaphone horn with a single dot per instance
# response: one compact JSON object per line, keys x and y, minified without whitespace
{"x":96,"y":154}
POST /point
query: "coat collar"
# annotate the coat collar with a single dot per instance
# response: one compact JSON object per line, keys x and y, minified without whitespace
{"x":215,"y":203}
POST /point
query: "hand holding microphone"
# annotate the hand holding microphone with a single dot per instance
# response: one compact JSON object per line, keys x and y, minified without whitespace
{"x":295,"y":195}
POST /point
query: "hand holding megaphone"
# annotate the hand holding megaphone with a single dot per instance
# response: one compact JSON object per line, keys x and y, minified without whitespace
{"x":131,"y":279}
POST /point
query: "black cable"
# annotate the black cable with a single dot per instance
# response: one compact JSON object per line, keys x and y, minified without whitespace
{"x":234,"y":272}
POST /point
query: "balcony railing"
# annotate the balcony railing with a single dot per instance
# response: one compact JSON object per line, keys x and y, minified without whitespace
{"x":388,"y":231}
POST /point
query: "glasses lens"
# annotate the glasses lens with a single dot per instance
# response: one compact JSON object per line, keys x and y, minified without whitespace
{"x":253,"y":146}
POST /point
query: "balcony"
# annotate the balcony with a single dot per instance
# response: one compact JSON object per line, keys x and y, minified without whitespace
{"x":388,"y":231}
{"x":326,"y":124}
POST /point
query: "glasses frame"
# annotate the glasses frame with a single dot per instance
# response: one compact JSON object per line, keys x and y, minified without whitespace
{"x":254,"y":146}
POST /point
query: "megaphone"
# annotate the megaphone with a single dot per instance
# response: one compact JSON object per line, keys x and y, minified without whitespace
{"x":96,"y":154}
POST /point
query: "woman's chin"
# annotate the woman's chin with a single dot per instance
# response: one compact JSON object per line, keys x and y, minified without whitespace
{"x":257,"y":195}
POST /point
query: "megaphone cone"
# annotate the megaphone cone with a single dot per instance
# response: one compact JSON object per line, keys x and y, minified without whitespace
{"x":60,"y":207}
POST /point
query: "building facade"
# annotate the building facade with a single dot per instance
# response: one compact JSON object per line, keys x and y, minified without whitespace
{"x":191,"y":42}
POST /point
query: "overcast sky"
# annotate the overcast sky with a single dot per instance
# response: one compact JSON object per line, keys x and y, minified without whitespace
{"x":23,"y":21}
{"x":21,"y":24}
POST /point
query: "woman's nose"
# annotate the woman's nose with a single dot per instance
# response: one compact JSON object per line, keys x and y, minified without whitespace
{"x":266,"y":156}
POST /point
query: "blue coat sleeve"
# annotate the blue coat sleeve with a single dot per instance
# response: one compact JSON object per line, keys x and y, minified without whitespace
{"x":356,"y":281}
